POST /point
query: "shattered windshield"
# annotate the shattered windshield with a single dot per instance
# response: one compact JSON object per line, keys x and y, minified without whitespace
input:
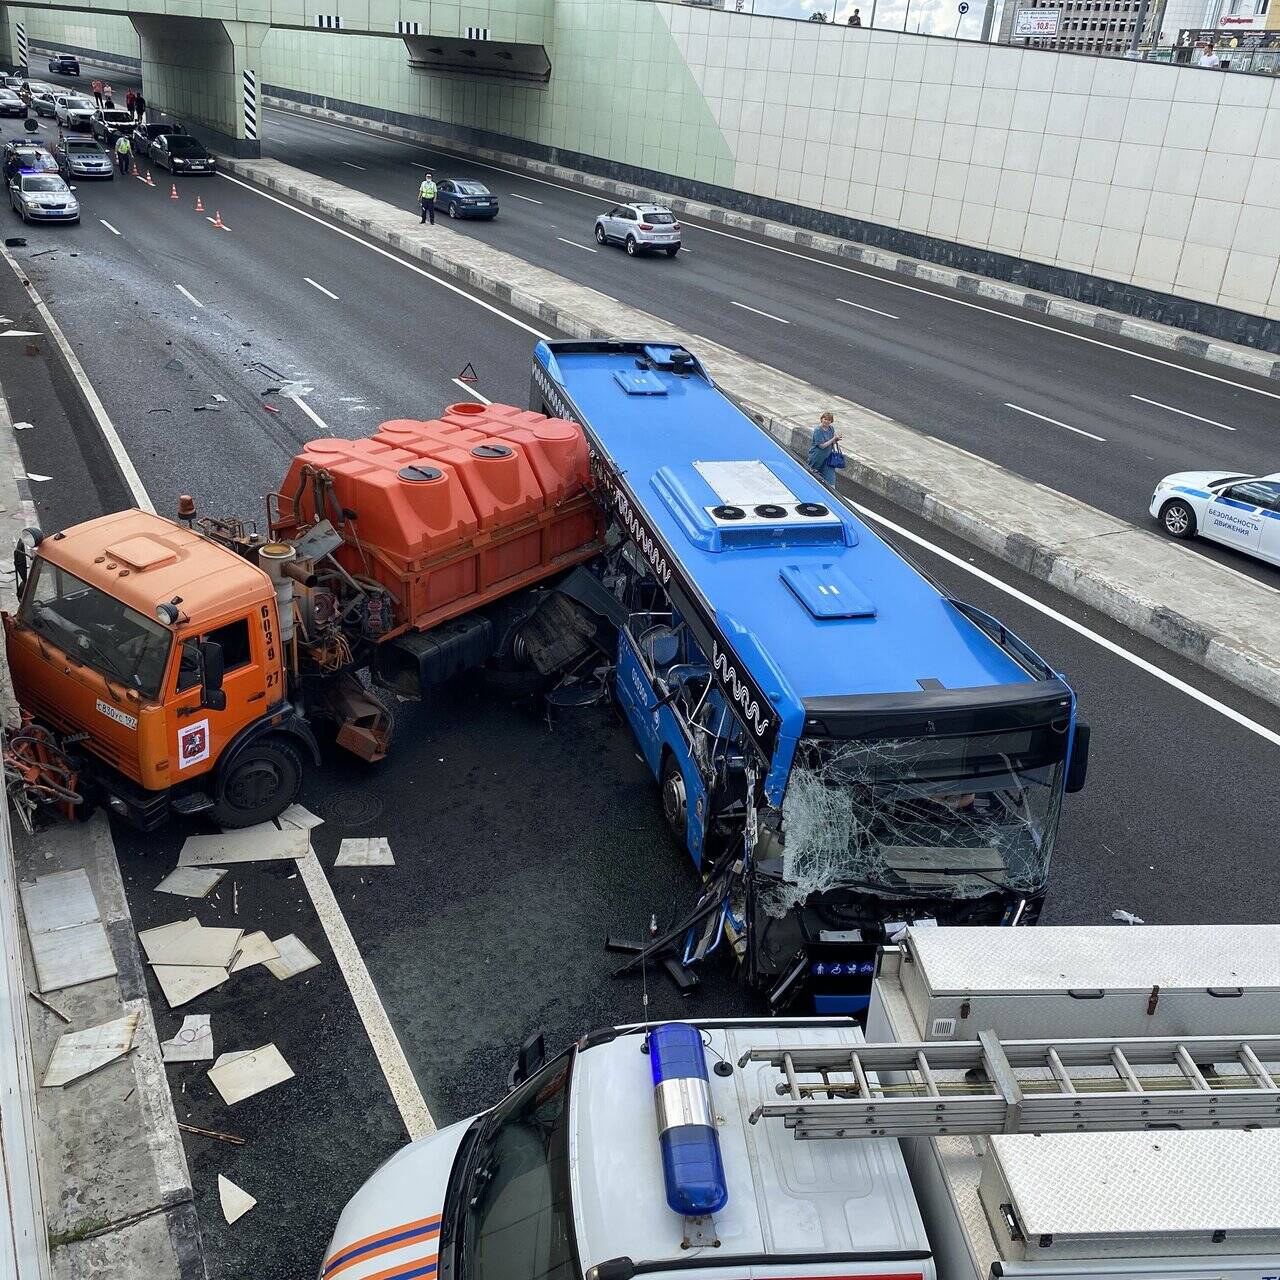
{"x":922,"y":817}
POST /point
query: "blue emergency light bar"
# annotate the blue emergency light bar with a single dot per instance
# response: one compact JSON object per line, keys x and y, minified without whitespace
{"x":691,"y":1163}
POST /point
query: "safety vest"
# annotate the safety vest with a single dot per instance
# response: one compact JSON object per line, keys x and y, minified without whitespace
{"x":122,"y":145}
{"x":428,"y":190}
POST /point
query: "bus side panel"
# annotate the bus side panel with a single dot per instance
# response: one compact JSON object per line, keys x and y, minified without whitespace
{"x":636,"y":696}
{"x":694,"y":789}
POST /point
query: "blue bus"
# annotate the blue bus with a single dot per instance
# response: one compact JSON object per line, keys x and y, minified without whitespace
{"x":841,"y":745}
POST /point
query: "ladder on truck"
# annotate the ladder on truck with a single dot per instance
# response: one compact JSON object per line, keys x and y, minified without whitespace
{"x":989,"y":1085}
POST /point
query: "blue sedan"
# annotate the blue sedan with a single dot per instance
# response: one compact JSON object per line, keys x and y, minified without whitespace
{"x":466,"y":199}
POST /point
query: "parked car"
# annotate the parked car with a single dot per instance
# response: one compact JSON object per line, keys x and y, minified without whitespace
{"x":640,"y":228}
{"x":14,"y":82}
{"x":72,"y":111}
{"x":44,"y":100}
{"x":110,"y":122}
{"x":11,"y":104}
{"x":181,"y":153}
{"x":1240,"y":511}
{"x":465,"y":199}
{"x":145,"y":134}
{"x":19,"y":155}
{"x":43,"y":197}
{"x":82,"y":158}
{"x":64,"y":64}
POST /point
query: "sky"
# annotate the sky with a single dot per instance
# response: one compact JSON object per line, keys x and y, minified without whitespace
{"x":933,"y":17}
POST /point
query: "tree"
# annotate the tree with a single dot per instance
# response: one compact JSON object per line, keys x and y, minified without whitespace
{"x":818,"y":16}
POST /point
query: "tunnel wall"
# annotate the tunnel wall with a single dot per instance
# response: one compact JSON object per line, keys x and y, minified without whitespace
{"x":1144,"y":187}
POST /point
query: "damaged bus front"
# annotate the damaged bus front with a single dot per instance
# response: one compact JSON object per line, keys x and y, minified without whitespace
{"x":841,"y":747}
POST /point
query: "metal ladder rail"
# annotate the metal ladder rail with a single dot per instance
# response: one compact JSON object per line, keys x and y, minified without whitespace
{"x":1006,"y":1100}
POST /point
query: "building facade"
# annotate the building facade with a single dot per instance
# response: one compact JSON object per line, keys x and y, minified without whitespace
{"x":1104,"y":27}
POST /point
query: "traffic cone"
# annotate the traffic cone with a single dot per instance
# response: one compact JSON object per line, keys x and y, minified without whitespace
{"x":147,"y":179}
{"x":199,"y":205}
{"x":217,"y":220}
{"x":136,"y":172}
{"x":173,"y":191}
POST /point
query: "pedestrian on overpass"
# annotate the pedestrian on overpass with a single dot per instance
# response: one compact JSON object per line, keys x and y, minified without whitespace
{"x":140,"y":108}
{"x":97,"y":92}
{"x":856,"y":20}
{"x":427,"y":197}
{"x":129,"y":98}
{"x":122,"y":153}
{"x":824,"y":447}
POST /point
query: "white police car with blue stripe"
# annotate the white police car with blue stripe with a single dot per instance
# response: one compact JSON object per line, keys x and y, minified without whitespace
{"x":1240,"y":511}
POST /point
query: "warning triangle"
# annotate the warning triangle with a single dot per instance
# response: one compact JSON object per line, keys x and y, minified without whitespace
{"x":469,"y":374}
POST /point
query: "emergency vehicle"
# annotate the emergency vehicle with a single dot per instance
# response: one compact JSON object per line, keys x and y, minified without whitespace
{"x":954,"y":1142}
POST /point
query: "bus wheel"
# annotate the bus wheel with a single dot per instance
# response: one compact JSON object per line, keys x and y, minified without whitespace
{"x":261,"y":784}
{"x":675,"y":803}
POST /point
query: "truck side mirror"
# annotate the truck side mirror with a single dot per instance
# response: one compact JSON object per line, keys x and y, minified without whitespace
{"x":23,"y":551}
{"x":531,"y":1059}
{"x":211,"y":694}
{"x":1078,"y":765}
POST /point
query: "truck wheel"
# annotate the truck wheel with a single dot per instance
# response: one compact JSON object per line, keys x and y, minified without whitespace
{"x":675,"y":802}
{"x":262,"y":783}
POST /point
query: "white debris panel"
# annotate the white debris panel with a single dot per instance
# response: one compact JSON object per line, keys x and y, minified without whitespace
{"x":853,"y":816}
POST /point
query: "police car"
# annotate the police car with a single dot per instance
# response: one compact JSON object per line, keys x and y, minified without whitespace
{"x":1240,"y":511}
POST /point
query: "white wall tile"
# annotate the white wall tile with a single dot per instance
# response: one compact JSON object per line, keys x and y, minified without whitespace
{"x":939,"y":63}
{"x":875,"y":97}
{"x":1258,"y":231}
{"x":1213,"y":223}
{"x":893,"y":172}
{"x":1250,"y":276}
{"x":1126,"y":209}
{"x":1042,"y":237}
{"x":902,"y":99}
{"x":1157,"y":261}
{"x":989,"y":146}
{"x":1104,"y":117}
{"x":951,"y":180}
{"x":975,"y":223}
{"x":957,"y":142}
{"x":995,"y":109}
{"x":1145,"y":122}
{"x":1225,"y":177}
{"x":1237,"y":130}
{"x":944,"y":217}
{"x":1058,"y":156}
{"x":971,"y":64}
{"x":1031,"y":109}
{"x":887,"y":205}
{"x":1269,"y":140}
{"x":1008,"y":226}
{"x":1085,"y":201}
{"x":962,"y":108}
{"x":1200,"y":269}
{"x":1049,"y":196}
{"x":1067,"y":111}
{"x":1074,"y":74}
{"x":1022,"y":152}
{"x":1135,"y":165}
{"x":1014,"y":190}
{"x":1179,"y":171}
{"x":1117,"y":253}
{"x":1264,"y":184}
{"x":922,"y":173}
{"x":1096,"y":160}
{"x":926,"y":139}
{"x":1168,"y":214}
{"x":916,"y":209}
{"x":1079,"y":244}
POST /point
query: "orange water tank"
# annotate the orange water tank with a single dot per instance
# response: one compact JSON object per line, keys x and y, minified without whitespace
{"x":449,"y":514}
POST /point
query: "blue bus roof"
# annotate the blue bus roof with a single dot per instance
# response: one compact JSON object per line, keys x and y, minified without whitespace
{"x":833,"y":608}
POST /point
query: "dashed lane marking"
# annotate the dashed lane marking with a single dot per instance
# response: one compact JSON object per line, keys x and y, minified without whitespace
{"x":757,"y":312}
{"x":527,"y":199}
{"x":321,"y":287}
{"x":1182,"y":412}
{"x":190,"y":297}
{"x":471,"y":391}
{"x":586,"y":248}
{"x":108,"y":226}
{"x":862,"y":306}
{"x":1066,"y":426}
{"x":311,"y":413}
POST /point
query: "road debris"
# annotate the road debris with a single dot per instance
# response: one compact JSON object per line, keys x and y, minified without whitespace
{"x":255,"y":948}
{"x":181,"y":983}
{"x":365,"y":851}
{"x":294,"y":957}
{"x":53,"y":1008}
{"x":300,"y":818}
{"x":241,"y":1075}
{"x":78,"y":1053}
{"x":191,"y":882}
{"x":190,"y":943}
{"x":264,"y":843}
{"x":234,"y":1139}
{"x":1126,"y":917}
{"x":235,"y":1201}
{"x":192,"y":1042}
{"x":68,"y":943}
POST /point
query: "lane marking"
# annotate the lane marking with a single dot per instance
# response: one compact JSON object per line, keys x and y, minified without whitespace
{"x":382,"y":1035}
{"x":766,"y":314}
{"x":527,"y":199}
{"x":792,"y":253}
{"x":585,"y":247}
{"x":190,"y":297}
{"x":1183,"y":412}
{"x":355,"y":166}
{"x":321,"y":287}
{"x":1066,"y":426}
{"x":108,"y":226}
{"x":863,"y":307}
{"x":391,"y":257}
{"x":1072,"y":625}
{"x":311,"y":413}
{"x":471,"y":391}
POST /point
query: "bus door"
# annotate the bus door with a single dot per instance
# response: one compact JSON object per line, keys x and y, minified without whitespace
{"x":644,"y":636}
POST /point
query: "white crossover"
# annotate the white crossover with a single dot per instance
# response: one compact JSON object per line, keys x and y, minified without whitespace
{"x":1241,"y":511}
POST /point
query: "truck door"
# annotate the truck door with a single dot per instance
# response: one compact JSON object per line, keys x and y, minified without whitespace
{"x":199,"y":734}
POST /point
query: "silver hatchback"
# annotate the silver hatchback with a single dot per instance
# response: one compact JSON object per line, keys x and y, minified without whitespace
{"x":640,"y":228}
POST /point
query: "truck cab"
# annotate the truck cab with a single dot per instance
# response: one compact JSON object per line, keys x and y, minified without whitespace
{"x":157,"y":652}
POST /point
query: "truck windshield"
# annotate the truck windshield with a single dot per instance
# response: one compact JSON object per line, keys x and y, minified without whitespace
{"x":516,"y":1220}
{"x":923,"y":817}
{"x":96,"y":629}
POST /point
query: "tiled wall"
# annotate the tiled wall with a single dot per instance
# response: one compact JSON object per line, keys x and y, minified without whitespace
{"x":1115,"y":181}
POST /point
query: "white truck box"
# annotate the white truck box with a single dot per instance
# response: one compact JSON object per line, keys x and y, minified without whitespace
{"x":1148,"y":1205}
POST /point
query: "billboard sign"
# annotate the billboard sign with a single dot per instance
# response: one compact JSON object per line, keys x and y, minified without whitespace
{"x":1040,"y":23}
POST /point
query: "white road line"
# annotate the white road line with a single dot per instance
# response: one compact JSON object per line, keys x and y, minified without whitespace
{"x":321,"y":287}
{"x":311,"y":413}
{"x":1066,"y":426}
{"x":391,"y":257}
{"x":382,"y":1035}
{"x":766,"y":315}
{"x":471,"y":391}
{"x":585,"y":247}
{"x":1079,"y":628}
{"x":1183,"y":412}
{"x":354,"y":166}
{"x":863,"y":307}
{"x":527,"y":199}
{"x":190,"y":297}
{"x":108,"y":226}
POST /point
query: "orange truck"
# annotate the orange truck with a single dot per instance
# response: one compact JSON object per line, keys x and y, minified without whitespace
{"x":185,"y":665}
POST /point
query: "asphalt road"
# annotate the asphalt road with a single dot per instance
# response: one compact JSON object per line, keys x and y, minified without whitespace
{"x":519,"y":839}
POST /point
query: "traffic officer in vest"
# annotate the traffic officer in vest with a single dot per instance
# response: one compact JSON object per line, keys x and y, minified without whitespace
{"x":122,"y":153}
{"x":427,"y":198}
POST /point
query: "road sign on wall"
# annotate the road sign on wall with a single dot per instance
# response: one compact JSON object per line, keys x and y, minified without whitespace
{"x":1036,"y":22}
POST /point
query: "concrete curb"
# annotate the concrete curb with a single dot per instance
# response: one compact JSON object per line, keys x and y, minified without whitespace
{"x":1112,"y":323}
{"x":1153,"y":586}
